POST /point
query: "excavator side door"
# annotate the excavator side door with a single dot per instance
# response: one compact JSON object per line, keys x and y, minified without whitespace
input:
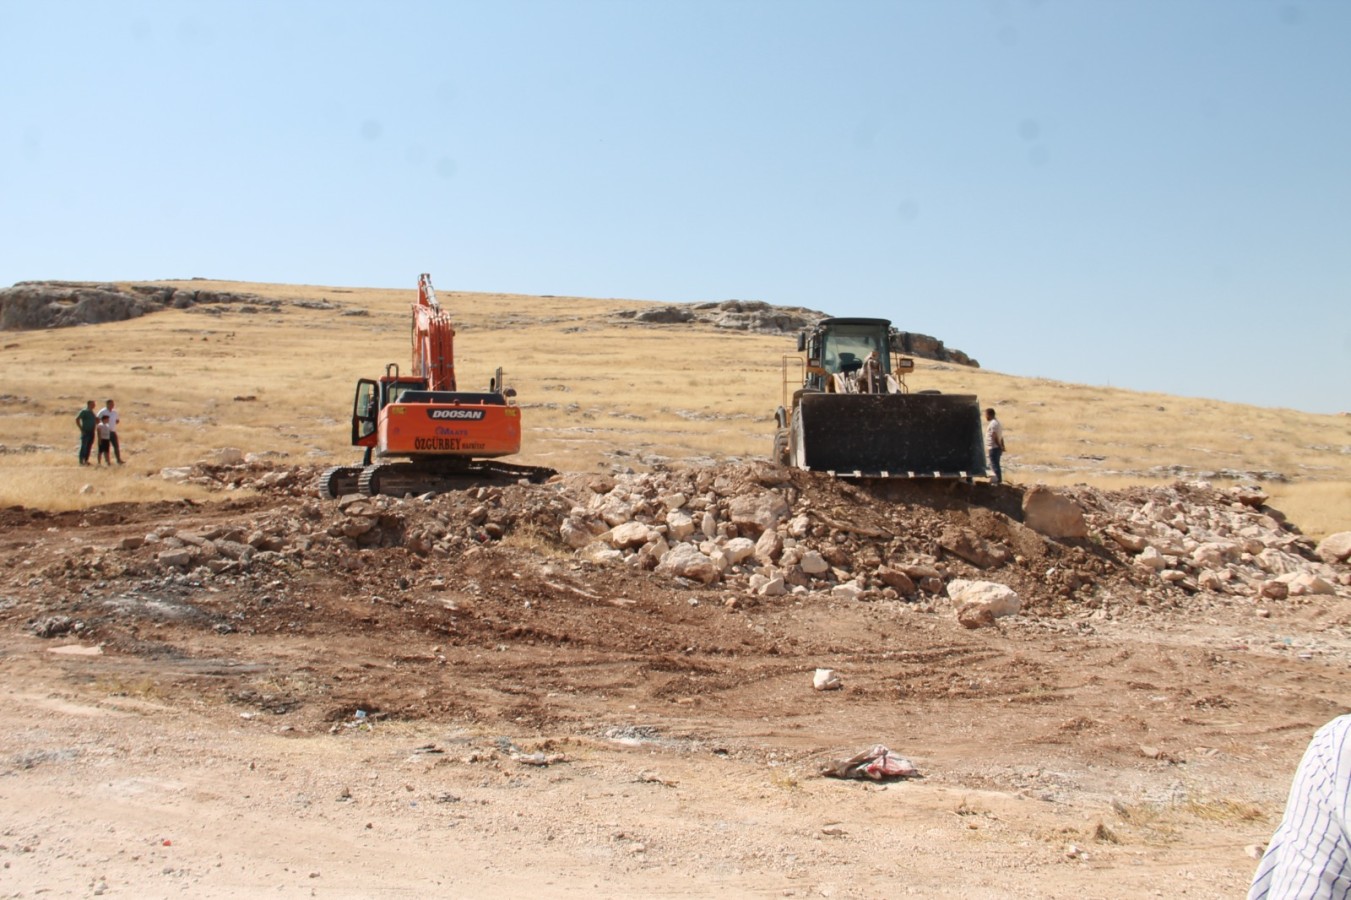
{"x":365,"y":413}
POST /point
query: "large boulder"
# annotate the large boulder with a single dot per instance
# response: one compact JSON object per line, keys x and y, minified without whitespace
{"x":629,"y":534}
{"x":686,"y":561}
{"x":1335,"y":548}
{"x":1053,"y":514}
{"x":979,"y":603}
{"x":758,"y":511}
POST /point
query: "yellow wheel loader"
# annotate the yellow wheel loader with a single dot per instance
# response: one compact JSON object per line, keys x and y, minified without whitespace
{"x":853,"y":415}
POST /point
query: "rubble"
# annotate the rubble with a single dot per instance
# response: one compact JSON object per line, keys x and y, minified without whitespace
{"x":761,"y":533}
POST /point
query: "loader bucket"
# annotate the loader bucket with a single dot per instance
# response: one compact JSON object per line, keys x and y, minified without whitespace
{"x":889,"y":435}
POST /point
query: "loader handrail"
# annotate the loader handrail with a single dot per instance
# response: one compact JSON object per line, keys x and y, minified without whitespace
{"x":797,"y":383}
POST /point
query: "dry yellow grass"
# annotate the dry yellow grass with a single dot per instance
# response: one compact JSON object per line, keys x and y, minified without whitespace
{"x":596,"y":391}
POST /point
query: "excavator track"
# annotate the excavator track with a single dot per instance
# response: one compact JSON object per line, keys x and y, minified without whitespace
{"x":399,"y":479}
{"x":338,"y":481}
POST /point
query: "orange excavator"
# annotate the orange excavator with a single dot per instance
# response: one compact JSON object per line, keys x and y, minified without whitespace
{"x":422,"y":434}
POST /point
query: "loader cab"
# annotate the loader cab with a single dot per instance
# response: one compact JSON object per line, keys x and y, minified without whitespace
{"x":841,"y":345}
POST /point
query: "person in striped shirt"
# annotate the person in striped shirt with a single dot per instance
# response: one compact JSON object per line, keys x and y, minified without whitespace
{"x":1310,"y":854}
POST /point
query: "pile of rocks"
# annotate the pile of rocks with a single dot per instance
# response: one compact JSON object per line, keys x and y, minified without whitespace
{"x":753,"y":527}
{"x":1223,"y":542}
{"x":759,"y":531}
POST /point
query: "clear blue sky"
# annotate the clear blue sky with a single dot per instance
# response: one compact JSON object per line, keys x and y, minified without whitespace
{"x":1153,"y":194}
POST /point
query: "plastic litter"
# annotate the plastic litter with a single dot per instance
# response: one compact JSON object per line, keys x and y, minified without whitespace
{"x":876,"y":763}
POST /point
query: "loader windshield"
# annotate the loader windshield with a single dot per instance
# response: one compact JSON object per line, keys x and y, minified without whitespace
{"x":845,"y":347}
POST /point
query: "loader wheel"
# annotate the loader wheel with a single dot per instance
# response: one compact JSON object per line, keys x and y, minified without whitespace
{"x":781,"y":447}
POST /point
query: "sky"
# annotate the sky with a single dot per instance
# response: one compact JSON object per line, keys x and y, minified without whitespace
{"x":1153,"y":195}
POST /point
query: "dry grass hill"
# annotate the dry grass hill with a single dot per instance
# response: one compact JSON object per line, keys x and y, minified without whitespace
{"x":598,"y":392}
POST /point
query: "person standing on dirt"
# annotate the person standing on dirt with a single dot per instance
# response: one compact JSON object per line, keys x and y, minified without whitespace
{"x":105,"y":433}
{"x":87,"y":422}
{"x":994,"y":445}
{"x":1310,"y":853}
{"x":110,"y":413}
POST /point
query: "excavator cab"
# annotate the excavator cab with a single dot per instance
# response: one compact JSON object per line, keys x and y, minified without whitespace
{"x":373,"y":396}
{"x":853,"y":415}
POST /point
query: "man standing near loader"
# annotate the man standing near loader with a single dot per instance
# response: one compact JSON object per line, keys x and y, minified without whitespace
{"x":87,"y":422}
{"x":994,"y":444}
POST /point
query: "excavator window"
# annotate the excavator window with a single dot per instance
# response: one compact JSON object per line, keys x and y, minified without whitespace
{"x":365,"y":408}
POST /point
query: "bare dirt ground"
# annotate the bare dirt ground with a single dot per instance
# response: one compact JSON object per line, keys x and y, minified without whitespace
{"x":499,"y":716}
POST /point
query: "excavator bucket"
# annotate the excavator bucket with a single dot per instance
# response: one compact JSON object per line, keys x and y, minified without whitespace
{"x":889,"y":435}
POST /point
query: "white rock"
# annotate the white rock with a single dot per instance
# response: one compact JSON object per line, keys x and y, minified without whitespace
{"x":847,"y":591}
{"x":1304,"y":583}
{"x":1278,"y":562}
{"x":827,"y":680}
{"x":1151,"y":558}
{"x":681,"y":525}
{"x":1335,"y":548}
{"x":814,"y":563}
{"x":768,"y":547}
{"x":973,"y":596}
{"x":739,"y":548}
{"x":1274,"y":590}
{"x":1210,"y":580}
{"x":1053,"y":514}
{"x":600,"y":552}
{"x":574,"y":534}
{"x":1213,"y":554}
{"x":773,"y":586}
{"x":685,"y":561}
{"x":758,"y":511}
{"x":229,"y":456}
{"x":629,"y":534}
{"x":1128,"y":541}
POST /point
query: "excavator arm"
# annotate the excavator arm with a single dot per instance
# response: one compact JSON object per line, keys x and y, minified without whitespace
{"x":433,"y":339}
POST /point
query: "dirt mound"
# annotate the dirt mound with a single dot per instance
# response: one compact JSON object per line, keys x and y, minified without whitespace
{"x":649,"y":574}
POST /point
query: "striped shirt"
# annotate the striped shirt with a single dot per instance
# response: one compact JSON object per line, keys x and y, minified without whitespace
{"x":1310,"y":853}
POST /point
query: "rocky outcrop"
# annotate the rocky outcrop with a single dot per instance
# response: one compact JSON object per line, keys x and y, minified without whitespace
{"x":31,"y":305}
{"x":928,"y":347}
{"x":738,"y":315}
{"x":764,"y":318}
